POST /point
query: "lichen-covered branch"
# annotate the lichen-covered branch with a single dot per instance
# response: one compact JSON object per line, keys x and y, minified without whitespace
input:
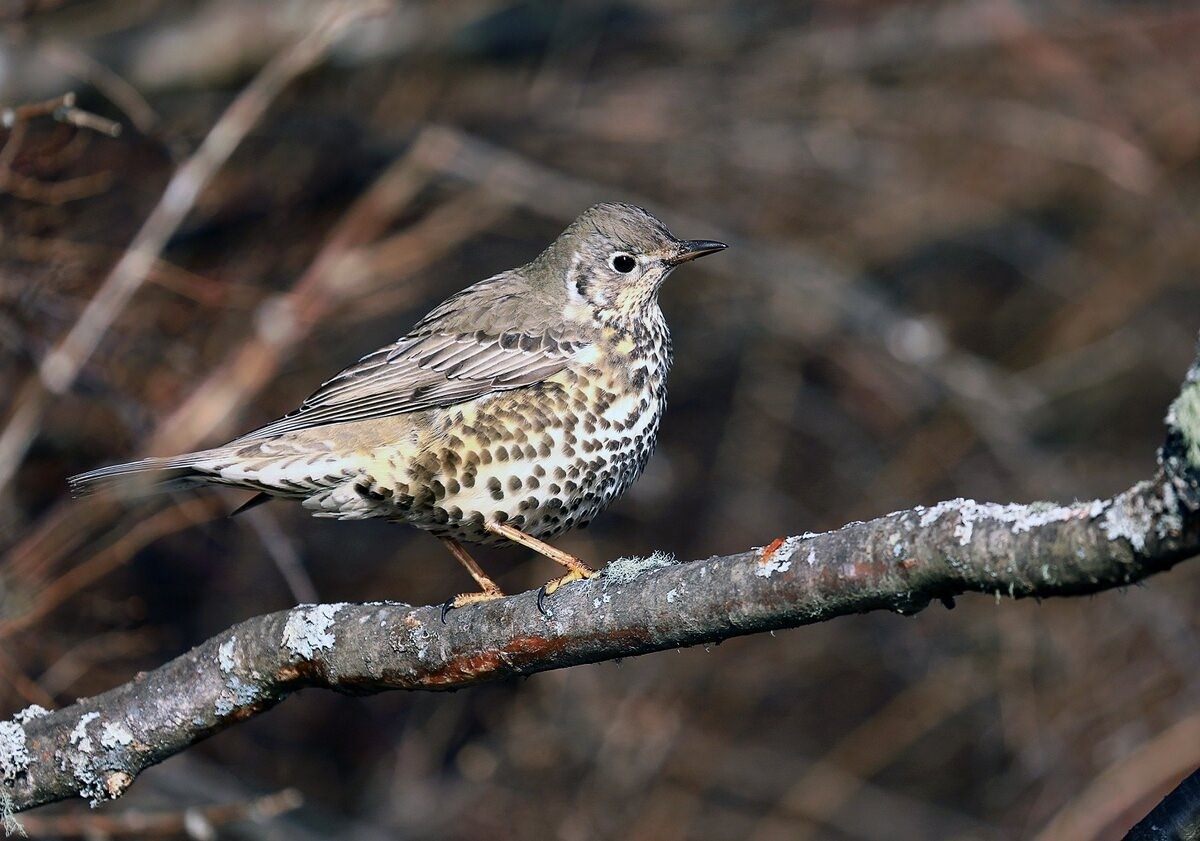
{"x":901,"y":562}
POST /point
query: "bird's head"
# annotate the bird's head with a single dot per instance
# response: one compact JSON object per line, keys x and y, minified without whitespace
{"x":614,"y":257}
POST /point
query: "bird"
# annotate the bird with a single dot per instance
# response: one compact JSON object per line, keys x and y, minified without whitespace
{"x":517,"y":409}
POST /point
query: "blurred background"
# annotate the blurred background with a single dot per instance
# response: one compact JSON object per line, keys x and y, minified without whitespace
{"x":964,"y":263}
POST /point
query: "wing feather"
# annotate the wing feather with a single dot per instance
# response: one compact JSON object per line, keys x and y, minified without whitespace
{"x":497,"y":335}
{"x":435,"y":371}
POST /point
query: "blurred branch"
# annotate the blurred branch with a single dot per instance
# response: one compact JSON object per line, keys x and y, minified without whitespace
{"x":834,"y":779}
{"x":1176,"y":818}
{"x":118,"y":91}
{"x":349,"y":264}
{"x":1098,"y":810}
{"x":198,"y":822}
{"x":900,"y":562}
{"x":63,"y":109}
{"x":62,"y":365}
{"x":108,"y":557}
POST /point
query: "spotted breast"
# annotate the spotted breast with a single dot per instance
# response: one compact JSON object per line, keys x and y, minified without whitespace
{"x":544,"y":459}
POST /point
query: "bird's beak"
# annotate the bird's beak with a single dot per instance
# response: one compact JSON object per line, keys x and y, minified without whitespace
{"x":693,"y":248}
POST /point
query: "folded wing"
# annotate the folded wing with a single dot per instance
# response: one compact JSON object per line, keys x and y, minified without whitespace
{"x":440,"y":363}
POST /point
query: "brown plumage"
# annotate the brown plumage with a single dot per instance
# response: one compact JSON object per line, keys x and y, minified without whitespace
{"x":518,"y":408}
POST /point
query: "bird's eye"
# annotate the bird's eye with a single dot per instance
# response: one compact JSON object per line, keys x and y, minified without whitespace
{"x":623,"y":263}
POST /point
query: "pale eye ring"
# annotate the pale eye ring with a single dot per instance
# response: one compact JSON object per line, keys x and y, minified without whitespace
{"x":623,"y":263}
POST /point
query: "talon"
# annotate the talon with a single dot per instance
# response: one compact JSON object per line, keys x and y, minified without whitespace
{"x":579,"y":573}
{"x":464,"y":599}
{"x":541,"y":601}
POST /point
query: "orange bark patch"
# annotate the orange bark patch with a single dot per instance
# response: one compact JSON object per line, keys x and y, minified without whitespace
{"x":770,"y":549}
{"x":469,"y":668}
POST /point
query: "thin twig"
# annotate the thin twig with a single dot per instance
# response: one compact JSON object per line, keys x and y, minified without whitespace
{"x":167,"y":521}
{"x":282,"y":551}
{"x":197,"y":822}
{"x":61,"y":366}
{"x":21,"y":683}
{"x":345,"y":261}
{"x":1131,"y":781}
{"x":62,"y":108}
{"x":834,"y":779}
{"x":12,"y":115}
{"x":118,"y":91}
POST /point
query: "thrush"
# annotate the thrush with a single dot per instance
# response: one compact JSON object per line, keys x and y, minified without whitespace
{"x":517,"y":409}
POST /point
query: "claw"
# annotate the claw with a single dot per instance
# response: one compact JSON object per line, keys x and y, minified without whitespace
{"x":464,"y":599}
{"x":551,"y":586}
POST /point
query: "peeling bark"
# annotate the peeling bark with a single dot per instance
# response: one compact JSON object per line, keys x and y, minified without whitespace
{"x":900,"y":562}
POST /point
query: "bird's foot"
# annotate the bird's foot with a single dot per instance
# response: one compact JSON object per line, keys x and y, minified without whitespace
{"x":577,"y":573}
{"x":464,"y":599}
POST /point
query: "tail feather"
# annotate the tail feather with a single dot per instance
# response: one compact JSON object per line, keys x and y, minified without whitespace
{"x":149,"y":475}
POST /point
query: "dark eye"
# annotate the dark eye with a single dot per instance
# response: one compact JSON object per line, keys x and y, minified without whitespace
{"x":623,"y":263}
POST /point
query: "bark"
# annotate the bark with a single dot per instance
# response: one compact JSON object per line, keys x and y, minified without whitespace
{"x":1176,"y":818}
{"x":901,"y":562}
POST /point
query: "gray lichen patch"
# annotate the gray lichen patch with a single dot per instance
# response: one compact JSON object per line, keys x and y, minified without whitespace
{"x":1130,"y":518}
{"x":624,"y":570}
{"x":30,"y":713}
{"x":14,"y":753}
{"x":97,"y":761}
{"x":15,"y":760}
{"x":8,"y":817}
{"x":1184,"y":415}
{"x":236,"y":694}
{"x":307,"y":630}
{"x":114,"y":734}
{"x":225,"y":655}
{"x":1019,"y":518}
{"x":79,"y":760}
{"x":1170,"y":518}
{"x":79,"y":737}
{"x":778,"y":562}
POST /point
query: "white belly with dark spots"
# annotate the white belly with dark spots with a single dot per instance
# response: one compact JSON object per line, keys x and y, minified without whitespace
{"x":582,"y":474}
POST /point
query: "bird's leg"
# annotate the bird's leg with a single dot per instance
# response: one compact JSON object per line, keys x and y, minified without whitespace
{"x":576,"y":569}
{"x":488,"y":589}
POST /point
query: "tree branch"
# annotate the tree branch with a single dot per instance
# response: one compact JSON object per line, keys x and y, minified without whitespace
{"x":901,"y":562}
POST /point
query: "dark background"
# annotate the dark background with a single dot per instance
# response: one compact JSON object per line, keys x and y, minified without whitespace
{"x":964,"y":264}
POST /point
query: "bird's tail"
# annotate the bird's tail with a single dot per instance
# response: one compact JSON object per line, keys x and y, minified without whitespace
{"x":147,"y":476}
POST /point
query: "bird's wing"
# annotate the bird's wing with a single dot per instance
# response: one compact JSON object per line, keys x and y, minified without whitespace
{"x":441,"y":362}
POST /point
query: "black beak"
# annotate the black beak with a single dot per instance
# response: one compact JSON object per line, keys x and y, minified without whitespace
{"x":693,"y":248}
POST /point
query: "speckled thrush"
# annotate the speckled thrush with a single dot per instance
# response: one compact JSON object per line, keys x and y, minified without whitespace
{"x":517,"y":409}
